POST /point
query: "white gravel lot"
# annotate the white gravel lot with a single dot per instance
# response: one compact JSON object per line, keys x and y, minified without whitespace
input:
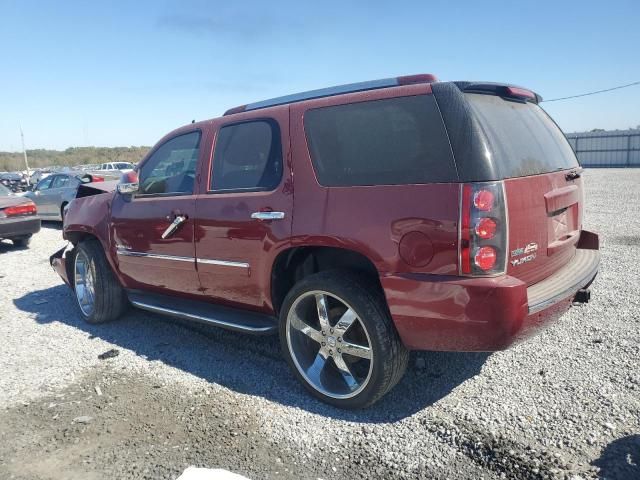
{"x":565,"y":404}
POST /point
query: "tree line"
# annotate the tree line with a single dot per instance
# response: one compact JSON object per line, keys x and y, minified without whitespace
{"x":14,"y":161}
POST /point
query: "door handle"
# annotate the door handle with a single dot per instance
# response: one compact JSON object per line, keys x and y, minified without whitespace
{"x":267,"y":215}
{"x":171,"y":229}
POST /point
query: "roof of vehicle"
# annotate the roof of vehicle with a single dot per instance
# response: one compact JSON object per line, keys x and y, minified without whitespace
{"x":469,"y":87}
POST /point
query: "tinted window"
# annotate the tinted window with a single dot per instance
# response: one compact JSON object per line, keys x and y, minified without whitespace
{"x":172,"y":167}
{"x":248,"y":156}
{"x":4,"y":190}
{"x":383,"y":142}
{"x":522,"y":137}
{"x":60,"y":181}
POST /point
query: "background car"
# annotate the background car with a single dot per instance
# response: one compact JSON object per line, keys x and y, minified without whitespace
{"x":13,"y":181}
{"x":53,"y":193}
{"x":18,"y":219}
{"x":117,"y":166}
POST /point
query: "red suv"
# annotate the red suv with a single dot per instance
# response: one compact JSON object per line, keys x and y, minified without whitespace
{"x":359,"y":221}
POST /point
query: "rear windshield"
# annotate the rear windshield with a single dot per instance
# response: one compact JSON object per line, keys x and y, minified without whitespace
{"x":393,"y":141}
{"x":522,"y":137}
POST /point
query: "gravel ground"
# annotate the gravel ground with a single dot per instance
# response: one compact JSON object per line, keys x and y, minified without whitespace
{"x":565,"y":404}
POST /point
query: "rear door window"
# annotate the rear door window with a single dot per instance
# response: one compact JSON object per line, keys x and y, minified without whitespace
{"x":248,"y":157}
{"x":392,"y":141}
{"x":60,"y":181}
{"x":522,"y":137}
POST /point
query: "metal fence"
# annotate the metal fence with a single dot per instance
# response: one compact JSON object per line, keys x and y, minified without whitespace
{"x":616,"y":148}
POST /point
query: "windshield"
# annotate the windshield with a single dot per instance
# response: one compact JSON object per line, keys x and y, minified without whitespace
{"x":522,"y":137}
{"x":4,"y":190}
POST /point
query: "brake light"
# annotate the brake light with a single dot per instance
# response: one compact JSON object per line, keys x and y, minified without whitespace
{"x":483,"y":200}
{"x":485,"y":258}
{"x":97,"y":178}
{"x":486,"y":228}
{"x":520,"y":93}
{"x":24,"y":209}
{"x":483,"y":229}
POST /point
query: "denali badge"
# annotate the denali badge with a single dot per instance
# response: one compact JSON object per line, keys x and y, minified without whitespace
{"x":530,"y":248}
{"x":530,"y":252}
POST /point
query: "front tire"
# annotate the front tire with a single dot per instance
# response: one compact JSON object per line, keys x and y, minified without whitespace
{"x":338,"y":337}
{"x":99,"y":295}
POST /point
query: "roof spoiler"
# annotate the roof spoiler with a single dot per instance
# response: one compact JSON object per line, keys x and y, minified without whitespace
{"x":502,"y":90}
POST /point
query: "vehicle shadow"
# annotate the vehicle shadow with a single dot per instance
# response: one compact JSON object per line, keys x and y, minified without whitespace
{"x":8,"y":246}
{"x":52,"y":224}
{"x":620,"y":460}
{"x":251,"y":365}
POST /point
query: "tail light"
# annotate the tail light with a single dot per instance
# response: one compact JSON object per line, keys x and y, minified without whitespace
{"x":483,"y":229}
{"x":97,"y":178}
{"x":19,"y":210}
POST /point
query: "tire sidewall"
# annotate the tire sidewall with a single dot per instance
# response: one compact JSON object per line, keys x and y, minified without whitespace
{"x":370,"y":311}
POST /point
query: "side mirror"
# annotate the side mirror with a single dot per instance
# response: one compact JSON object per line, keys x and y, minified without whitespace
{"x":128,"y":183}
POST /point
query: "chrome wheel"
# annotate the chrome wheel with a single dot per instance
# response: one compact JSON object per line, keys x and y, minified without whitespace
{"x":329,"y":344}
{"x":84,"y":278}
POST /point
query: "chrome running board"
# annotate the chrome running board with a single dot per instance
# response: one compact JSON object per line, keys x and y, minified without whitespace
{"x":243,"y":321}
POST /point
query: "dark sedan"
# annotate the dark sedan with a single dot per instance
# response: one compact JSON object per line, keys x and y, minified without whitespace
{"x":18,"y":219}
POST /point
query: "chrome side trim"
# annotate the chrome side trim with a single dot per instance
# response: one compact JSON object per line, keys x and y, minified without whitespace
{"x":267,"y":215}
{"x":223,"y":263}
{"x":130,"y":253}
{"x":200,"y":318}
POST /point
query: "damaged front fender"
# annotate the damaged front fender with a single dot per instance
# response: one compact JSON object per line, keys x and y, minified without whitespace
{"x":62,"y":263}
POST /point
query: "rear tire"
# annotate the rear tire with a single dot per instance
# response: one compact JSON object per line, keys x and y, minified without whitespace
{"x":22,"y":242}
{"x":350,"y":357}
{"x":99,"y":295}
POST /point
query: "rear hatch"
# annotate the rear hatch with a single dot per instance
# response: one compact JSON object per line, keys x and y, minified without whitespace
{"x":544,"y":191}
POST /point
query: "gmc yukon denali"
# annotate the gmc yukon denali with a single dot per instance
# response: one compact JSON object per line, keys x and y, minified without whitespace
{"x":358,"y":222}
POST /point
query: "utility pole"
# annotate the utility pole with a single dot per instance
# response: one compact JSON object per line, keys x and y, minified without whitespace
{"x":26,"y":162}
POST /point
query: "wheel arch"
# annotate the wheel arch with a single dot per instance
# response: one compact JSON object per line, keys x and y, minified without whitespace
{"x":295,"y":263}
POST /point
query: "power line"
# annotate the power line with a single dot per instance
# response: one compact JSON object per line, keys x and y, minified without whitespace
{"x":593,"y":93}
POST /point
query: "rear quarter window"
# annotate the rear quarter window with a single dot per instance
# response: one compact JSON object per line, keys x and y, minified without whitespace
{"x":393,"y":141}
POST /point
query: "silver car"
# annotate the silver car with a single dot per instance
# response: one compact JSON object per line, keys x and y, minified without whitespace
{"x":52,"y":194}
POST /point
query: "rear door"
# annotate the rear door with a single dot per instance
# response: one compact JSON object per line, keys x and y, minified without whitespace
{"x":55,"y":194}
{"x":543,"y":184}
{"x":152,"y":254}
{"x":245,"y":214}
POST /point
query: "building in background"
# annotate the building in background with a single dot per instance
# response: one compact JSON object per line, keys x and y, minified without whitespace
{"x":614,"y":148}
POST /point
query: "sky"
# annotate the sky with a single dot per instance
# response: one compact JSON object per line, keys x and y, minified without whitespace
{"x":126,"y":73}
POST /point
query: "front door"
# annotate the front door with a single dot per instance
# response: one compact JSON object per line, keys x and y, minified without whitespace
{"x":244,"y":217}
{"x":42,"y":196}
{"x":153,"y":230}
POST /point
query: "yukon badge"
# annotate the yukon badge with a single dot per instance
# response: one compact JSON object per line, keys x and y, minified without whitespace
{"x":529,"y":253}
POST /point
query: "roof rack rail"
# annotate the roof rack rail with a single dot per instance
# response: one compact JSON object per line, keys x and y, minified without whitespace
{"x":337,"y":90}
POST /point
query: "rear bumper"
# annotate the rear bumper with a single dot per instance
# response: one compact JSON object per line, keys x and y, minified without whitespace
{"x":484,"y":314}
{"x":19,"y":226}
{"x":59,"y":263}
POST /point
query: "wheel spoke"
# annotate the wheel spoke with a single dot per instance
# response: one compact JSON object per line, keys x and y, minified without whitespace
{"x":323,"y":315}
{"x":346,"y":320}
{"x":343,"y":368}
{"x":315,"y":369}
{"x":356,"y":350}
{"x":308,"y":330}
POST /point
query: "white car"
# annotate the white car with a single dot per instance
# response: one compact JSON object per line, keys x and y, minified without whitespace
{"x":116,"y":166}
